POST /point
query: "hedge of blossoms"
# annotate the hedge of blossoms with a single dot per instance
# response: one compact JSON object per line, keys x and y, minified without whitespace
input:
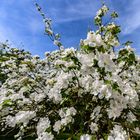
{"x":94,"y":90}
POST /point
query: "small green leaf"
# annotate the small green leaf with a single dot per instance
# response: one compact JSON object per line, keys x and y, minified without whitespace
{"x":114,"y":15}
{"x":7,"y":103}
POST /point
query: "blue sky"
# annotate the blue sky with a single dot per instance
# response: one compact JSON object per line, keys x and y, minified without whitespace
{"x":21,"y":24}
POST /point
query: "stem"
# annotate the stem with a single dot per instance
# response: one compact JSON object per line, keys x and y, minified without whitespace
{"x":124,"y":68}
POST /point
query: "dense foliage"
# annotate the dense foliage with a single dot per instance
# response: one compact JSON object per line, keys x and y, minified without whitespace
{"x":70,"y":92}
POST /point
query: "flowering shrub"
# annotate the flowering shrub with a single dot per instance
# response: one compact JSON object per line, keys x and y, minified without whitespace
{"x":70,"y":92}
{"x":10,"y":58}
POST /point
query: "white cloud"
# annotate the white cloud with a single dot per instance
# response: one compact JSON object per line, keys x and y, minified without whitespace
{"x":131,"y":21}
{"x":8,"y":34}
{"x":35,"y":26}
{"x":77,"y":10}
{"x":16,"y":20}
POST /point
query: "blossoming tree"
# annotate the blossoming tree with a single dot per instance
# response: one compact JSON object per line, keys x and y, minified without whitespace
{"x":94,"y":90}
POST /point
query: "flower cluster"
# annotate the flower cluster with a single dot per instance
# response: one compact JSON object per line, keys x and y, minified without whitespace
{"x":94,"y":90}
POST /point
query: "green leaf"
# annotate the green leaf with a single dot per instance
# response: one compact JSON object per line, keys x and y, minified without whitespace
{"x":114,"y":15}
{"x":7,"y":103}
{"x":48,"y":129}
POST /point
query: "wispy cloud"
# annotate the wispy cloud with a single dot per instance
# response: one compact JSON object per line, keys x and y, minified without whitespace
{"x":20,"y":21}
{"x":71,"y":10}
{"x":16,"y":20}
{"x":131,"y":18}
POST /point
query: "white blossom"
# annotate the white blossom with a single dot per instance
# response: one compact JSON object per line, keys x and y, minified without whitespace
{"x":21,"y":117}
{"x":42,"y":125}
{"x":93,"y":127}
{"x":118,"y":133}
{"x":57,"y":126}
